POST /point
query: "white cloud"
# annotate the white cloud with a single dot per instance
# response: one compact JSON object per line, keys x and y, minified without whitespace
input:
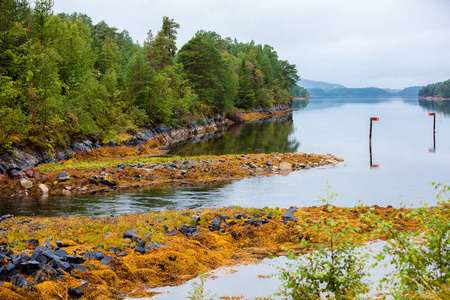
{"x":353,"y":42}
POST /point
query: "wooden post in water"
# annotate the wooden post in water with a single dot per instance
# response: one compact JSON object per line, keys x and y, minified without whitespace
{"x":370,"y":133}
{"x":434,"y":131}
{"x":434,"y":121}
{"x":370,"y":142}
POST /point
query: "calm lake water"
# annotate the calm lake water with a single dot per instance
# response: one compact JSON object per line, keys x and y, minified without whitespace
{"x":401,"y":145}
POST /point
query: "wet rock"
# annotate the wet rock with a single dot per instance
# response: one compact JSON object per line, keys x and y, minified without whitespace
{"x":61,"y":253}
{"x":215,"y":224}
{"x":16,"y":259}
{"x":21,"y":282}
{"x":74,"y":259}
{"x":61,"y":244}
{"x":25,"y":183}
{"x":171,"y":232}
{"x":108,"y":182}
{"x":3,"y":274}
{"x":115,"y":250}
{"x":47,"y":273}
{"x":98,"y":255}
{"x":16,"y":174}
{"x":4,"y":217}
{"x":57,"y":263}
{"x":251,"y":165}
{"x":285,"y":166}
{"x":11,"y":269}
{"x":78,"y":267}
{"x":66,"y":192}
{"x":289,"y":214}
{"x":105,"y":260}
{"x":141,"y":244}
{"x":131,"y":234}
{"x":189,"y":230}
{"x":62,"y":177}
{"x":30,"y":174}
{"x":140,"y":250}
{"x":30,"y":267}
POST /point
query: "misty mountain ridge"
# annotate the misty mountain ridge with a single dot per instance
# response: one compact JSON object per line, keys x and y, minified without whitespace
{"x":325,"y":89}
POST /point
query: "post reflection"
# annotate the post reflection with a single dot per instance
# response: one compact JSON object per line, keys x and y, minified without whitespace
{"x":370,"y":154}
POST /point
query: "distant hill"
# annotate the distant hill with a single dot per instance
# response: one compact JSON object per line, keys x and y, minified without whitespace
{"x":311,"y":84}
{"x":319,"y":89}
{"x":412,"y":91}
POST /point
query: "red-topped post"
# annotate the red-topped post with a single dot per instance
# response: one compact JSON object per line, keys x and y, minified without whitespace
{"x":370,"y":133}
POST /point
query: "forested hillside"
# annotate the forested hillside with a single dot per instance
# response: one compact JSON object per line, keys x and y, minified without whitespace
{"x":440,"y":89}
{"x":63,"y":78}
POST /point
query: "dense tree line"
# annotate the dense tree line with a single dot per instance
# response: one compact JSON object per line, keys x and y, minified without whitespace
{"x":440,"y":89}
{"x":62,"y":78}
{"x":299,"y":92}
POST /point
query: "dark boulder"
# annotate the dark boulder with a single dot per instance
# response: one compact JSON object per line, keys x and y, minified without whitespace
{"x":3,"y":274}
{"x":131,"y":234}
{"x":215,"y":224}
{"x":141,"y":244}
{"x":79,"y":267}
{"x":61,"y":253}
{"x":59,"y":264}
{"x":289,"y":214}
{"x":98,"y":255}
{"x":21,"y":282}
{"x":105,"y":260}
{"x":62,"y":177}
{"x":16,"y":174}
{"x":139,"y":250}
{"x":30,"y":267}
{"x":74,"y":259}
{"x":115,"y":250}
{"x":108,"y":182}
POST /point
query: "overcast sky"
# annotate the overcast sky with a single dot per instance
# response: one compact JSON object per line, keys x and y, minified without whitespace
{"x":357,"y":43}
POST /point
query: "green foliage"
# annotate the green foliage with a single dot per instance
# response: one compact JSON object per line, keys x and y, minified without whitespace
{"x":422,"y":256}
{"x":69,"y":79}
{"x":334,"y":267}
{"x":299,"y":92}
{"x":440,"y":89}
{"x":198,"y":291}
{"x":161,"y":50}
{"x":246,"y":96}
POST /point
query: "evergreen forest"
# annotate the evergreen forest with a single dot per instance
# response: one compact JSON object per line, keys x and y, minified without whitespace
{"x":64,"y":79}
{"x":440,"y":89}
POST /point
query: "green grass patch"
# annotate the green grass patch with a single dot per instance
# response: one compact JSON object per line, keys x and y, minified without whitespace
{"x":89,"y":165}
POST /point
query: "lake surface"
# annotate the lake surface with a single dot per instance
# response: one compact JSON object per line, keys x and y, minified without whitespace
{"x":401,"y":143}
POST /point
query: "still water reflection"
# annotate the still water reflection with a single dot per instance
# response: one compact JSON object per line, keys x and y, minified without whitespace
{"x":256,"y":137}
{"x":400,"y":144}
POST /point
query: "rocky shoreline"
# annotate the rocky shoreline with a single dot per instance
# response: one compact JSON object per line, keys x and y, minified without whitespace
{"x":118,"y":256}
{"x":155,"y":138}
{"x":73,"y":178}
